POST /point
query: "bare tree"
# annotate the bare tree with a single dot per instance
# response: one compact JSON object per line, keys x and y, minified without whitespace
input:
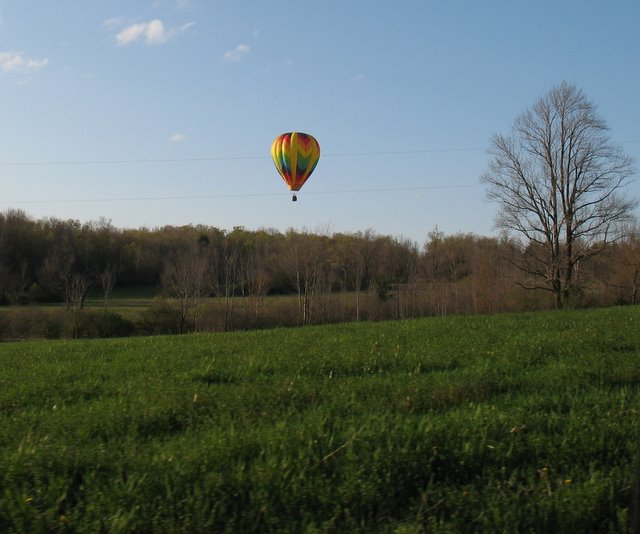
{"x":185,"y":277}
{"x":108,"y":279}
{"x":621,"y":269}
{"x":631,"y":260}
{"x":79,"y":285}
{"x":57,"y":269}
{"x":228,"y":278}
{"x":307,"y":261}
{"x":257,"y":278}
{"x":78,"y":290}
{"x":558,"y":182}
{"x":364,"y":248}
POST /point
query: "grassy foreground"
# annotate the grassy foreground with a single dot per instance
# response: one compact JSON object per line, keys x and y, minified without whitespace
{"x":489,"y":423}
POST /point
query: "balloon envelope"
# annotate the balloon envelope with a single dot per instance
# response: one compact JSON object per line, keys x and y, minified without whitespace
{"x":295,"y":155}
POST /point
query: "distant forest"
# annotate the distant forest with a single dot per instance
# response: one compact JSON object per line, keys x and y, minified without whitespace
{"x":336,"y":277}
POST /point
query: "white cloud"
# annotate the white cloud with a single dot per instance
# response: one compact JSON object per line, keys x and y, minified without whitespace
{"x":152,"y":32}
{"x":130,"y":34}
{"x":15,"y":61}
{"x":177,"y":138}
{"x":236,"y":55}
{"x":155,"y":32}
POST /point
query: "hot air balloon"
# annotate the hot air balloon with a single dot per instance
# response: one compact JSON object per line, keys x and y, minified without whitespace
{"x":295,"y":155}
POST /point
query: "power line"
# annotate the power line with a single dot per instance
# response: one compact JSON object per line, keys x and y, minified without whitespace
{"x":124,"y":161}
{"x":225,"y":158}
{"x":241,"y":195}
{"x":243,"y":158}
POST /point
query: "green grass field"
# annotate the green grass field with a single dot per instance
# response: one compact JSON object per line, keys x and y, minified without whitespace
{"x":506,"y":423}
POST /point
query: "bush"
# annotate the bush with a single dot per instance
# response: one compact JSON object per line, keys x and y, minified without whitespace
{"x":53,"y":326}
{"x":103,"y":325}
{"x":41,"y":294}
{"x":4,"y":327}
{"x":161,"y":318}
{"x":30,"y":323}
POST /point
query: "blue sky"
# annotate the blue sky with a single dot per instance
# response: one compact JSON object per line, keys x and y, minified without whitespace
{"x":154,"y":112}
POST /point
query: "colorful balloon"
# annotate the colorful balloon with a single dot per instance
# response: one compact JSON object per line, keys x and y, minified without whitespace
{"x":295,"y":155}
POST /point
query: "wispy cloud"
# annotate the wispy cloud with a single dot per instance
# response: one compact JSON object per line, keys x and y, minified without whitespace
{"x":178,"y":138}
{"x":238,"y":53}
{"x":153,"y":32}
{"x":114,"y":23}
{"x":15,"y":61}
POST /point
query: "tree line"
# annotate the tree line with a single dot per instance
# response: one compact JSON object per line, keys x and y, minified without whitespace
{"x":327,"y":277}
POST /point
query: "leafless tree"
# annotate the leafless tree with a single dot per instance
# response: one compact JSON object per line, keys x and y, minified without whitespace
{"x":79,"y":285}
{"x":559,"y":185}
{"x":621,"y":267}
{"x":257,"y":278}
{"x":57,"y":270}
{"x":307,"y":262}
{"x":186,"y":278}
{"x":78,"y":290}
{"x":108,"y":282}
{"x":364,"y":248}
{"x":632,"y":263}
{"x":228,"y":279}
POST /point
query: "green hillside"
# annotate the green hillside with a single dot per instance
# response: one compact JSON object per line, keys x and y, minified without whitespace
{"x":497,"y":423}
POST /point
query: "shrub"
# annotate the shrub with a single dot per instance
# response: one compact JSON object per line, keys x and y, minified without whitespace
{"x":53,"y":326}
{"x":40,"y":294}
{"x":102,"y":325}
{"x":4,"y":327}
{"x":161,"y":318}
{"x":29,"y":323}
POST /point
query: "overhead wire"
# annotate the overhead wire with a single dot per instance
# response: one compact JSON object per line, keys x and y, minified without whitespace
{"x":240,"y":195}
{"x":237,"y":158}
{"x":241,"y":157}
{"x":223,"y":158}
{"x":227,"y":158}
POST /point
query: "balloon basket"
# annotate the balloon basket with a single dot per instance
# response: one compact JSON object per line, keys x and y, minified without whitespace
{"x":294,"y":198}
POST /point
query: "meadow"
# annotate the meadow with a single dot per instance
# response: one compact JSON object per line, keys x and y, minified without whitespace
{"x":502,"y":423}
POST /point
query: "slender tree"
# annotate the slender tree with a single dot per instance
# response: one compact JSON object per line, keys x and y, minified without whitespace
{"x":185,"y":277}
{"x":559,"y":185}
